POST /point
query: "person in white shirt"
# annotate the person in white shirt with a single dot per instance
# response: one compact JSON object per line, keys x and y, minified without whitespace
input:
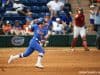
{"x":17,"y":8}
{"x":57,"y":27}
{"x":55,"y":6}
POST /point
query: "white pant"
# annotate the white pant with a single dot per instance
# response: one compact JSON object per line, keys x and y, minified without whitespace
{"x":79,"y":31}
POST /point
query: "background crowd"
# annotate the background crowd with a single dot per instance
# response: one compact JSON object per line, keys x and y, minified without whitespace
{"x":17,"y":15}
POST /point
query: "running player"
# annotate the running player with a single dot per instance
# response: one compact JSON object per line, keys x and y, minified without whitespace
{"x":34,"y":44}
{"x":79,"y":29}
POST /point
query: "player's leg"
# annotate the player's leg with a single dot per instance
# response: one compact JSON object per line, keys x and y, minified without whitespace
{"x":27,"y":52}
{"x":83,"y":36}
{"x":39,"y":61}
{"x":40,"y":56}
{"x":75,"y":36}
{"x":73,"y":43}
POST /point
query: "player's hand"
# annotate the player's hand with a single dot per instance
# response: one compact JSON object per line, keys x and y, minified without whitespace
{"x":47,"y":36}
{"x":42,"y":41}
{"x":76,"y":16}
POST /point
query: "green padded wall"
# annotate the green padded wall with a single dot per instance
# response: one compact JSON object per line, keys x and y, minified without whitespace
{"x":56,"y":41}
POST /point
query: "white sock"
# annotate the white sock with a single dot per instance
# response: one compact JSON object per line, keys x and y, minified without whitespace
{"x":15,"y":57}
{"x":39,"y":60}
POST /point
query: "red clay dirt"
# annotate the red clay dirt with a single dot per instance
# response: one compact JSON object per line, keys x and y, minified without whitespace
{"x":57,"y":61}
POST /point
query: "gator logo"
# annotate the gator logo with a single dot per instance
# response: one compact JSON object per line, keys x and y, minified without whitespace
{"x":17,"y":41}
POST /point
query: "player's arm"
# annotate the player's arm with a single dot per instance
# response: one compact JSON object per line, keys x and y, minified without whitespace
{"x":48,"y":35}
{"x":31,"y":26}
{"x":76,"y":16}
{"x":45,"y":41}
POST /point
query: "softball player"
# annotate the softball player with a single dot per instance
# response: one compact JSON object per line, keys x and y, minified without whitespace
{"x":79,"y":29}
{"x":34,"y":44}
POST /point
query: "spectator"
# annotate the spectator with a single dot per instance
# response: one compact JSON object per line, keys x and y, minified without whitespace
{"x":55,"y":7}
{"x":29,"y":15}
{"x":92,"y":2}
{"x":9,"y":4}
{"x":7,"y":28}
{"x":29,"y":20}
{"x":26,"y":30}
{"x":67,"y":19}
{"x":3,"y":3}
{"x":18,"y":8}
{"x":57,"y":27}
{"x":0,"y":3}
{"x":67,"y":8}
{"x":97,"y":26}
{"x":92,"y":13}
{"x":47,"y":17}
{"x":17,"y":29}
{"x":1,"y":32}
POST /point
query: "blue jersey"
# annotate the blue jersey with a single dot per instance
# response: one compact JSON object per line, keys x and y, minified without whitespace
{"x":34,"y":43}
{"x":39,"y":33}
{"x":45,"y":29}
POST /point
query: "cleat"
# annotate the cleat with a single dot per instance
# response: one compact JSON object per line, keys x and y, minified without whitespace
{"x":72,"y":49}
{"x":39,"y":66}
{"x":10,"y":59}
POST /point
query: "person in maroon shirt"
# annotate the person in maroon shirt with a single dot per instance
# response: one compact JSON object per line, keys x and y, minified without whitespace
{"x":79,"y":29}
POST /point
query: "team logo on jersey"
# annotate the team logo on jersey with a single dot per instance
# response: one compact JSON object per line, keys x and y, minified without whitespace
{"x":17,"y":41}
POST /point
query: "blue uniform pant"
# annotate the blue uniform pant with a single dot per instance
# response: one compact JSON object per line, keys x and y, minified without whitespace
{"x":33,"y":45}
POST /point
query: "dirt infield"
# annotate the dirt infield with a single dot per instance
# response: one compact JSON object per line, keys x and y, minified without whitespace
{"x":57,"y":61}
